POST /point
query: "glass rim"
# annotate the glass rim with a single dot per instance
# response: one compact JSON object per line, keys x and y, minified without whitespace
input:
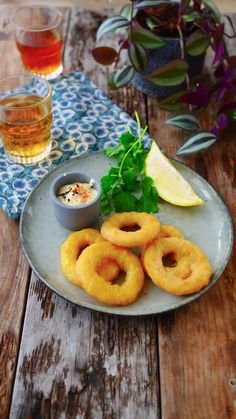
{"x":58,"y":21}
{"x":12,"y":108}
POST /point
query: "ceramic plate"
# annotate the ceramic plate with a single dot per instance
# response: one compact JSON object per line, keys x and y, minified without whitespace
{"x":209,"y":226}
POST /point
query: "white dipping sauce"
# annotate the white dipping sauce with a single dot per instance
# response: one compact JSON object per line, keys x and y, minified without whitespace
{"x":77,"y":193}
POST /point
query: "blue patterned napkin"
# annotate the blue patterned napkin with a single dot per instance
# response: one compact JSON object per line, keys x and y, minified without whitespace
{"x":84,"y":119}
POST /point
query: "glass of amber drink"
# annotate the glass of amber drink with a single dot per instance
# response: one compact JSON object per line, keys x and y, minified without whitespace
{"x":39,"y":38}
{"x":25,"y":118}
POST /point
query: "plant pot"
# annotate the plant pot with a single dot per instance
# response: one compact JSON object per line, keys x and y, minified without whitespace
{"x":158,"y":58}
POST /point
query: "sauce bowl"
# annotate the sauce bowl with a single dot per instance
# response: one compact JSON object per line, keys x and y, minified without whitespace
{"x":75,"y":217}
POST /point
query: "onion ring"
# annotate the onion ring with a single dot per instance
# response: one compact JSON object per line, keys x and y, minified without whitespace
{"x":169,"y":231}
{"x":191,"y":273}
{"x":71,"y":250}
{"x":166,"y":230}
{"x":103,"y":291}
{"x":149,"y":228}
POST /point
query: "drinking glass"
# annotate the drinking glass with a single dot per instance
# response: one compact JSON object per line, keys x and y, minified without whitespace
{"x":25,"y":117}
{"x":39,"y":38}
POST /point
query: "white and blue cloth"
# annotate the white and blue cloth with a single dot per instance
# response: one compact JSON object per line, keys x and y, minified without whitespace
{"x":84,"y":120}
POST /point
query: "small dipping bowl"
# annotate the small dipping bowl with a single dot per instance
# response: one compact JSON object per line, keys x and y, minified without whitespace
{"x":75,"y":217}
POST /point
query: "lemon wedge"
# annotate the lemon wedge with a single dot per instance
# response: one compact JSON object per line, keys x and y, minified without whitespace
{"x":170,"y":184}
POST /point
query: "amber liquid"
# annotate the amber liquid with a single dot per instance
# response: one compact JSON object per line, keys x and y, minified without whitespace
{"x":41,"y":52}
{"x":26,"y":132}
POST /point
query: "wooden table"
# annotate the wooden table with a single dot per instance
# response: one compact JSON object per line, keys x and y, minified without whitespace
{"x":61,"y":361}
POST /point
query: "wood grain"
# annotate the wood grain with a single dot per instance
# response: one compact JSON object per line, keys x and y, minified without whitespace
{"x":14,"y":281}
{"x":76,"y":363}
{"x":197,"y":344}
{"x":14,"y":272}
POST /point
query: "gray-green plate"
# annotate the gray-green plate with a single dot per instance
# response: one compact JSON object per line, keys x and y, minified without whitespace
{"x":209,"y":226}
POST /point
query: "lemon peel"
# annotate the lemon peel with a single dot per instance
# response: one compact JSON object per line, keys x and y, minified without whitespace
{"x":170,"y":184}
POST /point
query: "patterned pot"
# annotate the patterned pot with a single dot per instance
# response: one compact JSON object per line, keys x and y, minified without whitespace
{"x":159,"y":57}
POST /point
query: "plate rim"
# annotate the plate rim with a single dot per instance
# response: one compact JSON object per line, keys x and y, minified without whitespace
{"x":106,"y":309}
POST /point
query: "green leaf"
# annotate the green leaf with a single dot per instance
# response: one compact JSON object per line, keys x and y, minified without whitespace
{"x":126,"y":12}
{"x":152,"y":22}
{"x":138,"y":57}
{"x":197,"y":142}
{"x":111,"y":24}
{"x":146,"y":38}
{"x":184,"y":4}
{"x":106,"y":182}
{"x":143,"y":4}
{"x":124,"y":76}
{"x":191,"y":17}
{"x":173,"y":107}
{"x":210,"y":5}
{"x":123,"y":201}
{"x":111,"y":82}
{"x":128,"y":162}
{"x":149,"y":199}
{"x":105,"y":203}
{"x":127,"y":139}
{"x":133,"y":186}
{"x":197,"y":43}
{"x":104,"y":55}
{"x":140,"y":158}
{"x":113,"y":172}
{"x":129,"y":175}
{"x":171,"y":103}
{"x":114,"y":151}
{"x":171,"y":74}
{"x":187,"y":121}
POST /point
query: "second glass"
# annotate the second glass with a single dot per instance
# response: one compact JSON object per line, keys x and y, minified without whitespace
{"x":39,"y":38}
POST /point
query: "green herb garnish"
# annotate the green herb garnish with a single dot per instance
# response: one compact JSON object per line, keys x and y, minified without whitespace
{"x":126,"y":188}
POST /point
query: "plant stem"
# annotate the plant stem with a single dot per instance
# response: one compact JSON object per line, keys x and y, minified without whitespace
{"x":131,"y":22}
{"x":127,"y":153}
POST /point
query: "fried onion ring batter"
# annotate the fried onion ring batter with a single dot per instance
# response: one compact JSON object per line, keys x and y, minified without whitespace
{"x":149,"y":225}
{"x":71,"y":250}
{"x":103,"y":291}
{"x":167,"y":230}
{"x":191,"y":273}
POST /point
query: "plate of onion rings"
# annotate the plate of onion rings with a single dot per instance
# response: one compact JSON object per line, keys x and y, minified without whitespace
{"x":208,"y":227}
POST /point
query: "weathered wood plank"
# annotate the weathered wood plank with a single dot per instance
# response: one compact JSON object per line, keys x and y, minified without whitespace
{"x":15,"y":271}
{"x":197,"y":344}
{"x":76,"y":363}
{"x":14,"y":281}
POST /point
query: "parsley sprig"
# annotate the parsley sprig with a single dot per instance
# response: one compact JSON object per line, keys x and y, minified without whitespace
{"x":126,"y":187}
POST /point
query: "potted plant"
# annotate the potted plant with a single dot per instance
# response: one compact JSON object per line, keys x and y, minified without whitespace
{"x":166,"y":43}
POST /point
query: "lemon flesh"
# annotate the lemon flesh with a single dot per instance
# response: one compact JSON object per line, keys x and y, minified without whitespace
{"x":171,"y":185}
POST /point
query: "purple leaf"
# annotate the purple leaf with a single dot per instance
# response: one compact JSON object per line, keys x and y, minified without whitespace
{"x":229,"y":74}
{"x":223,"y":87}
{"x":199,"y":98}
{"x":124,"y":42}
{"x":193,"y":98}
{"x":220,"y":31}
{"x":207,"y":25}
{"x":222,"y":92}
{"x":214,"y":131}
{"x":203,"y":89}
{"x":222,"y":124}
{"x":220,"y":71}
{"x":219,"y":52}
{"x":226,"y":108}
